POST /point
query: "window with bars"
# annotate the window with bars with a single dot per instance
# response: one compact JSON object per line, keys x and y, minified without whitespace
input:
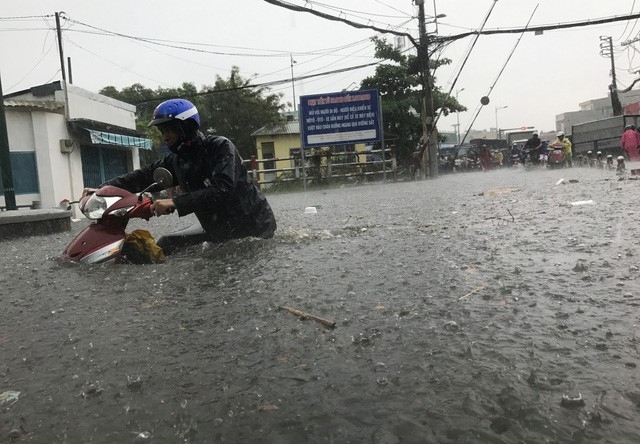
{"x":25,"y":173}
{"x":101,"y":164}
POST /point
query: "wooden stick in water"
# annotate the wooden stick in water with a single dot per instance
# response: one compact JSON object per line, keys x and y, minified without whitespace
{"x":327,"y":323}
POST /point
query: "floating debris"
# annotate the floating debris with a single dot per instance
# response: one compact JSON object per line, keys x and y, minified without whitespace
{"x":92,"y":391}
{"x":451,"y":326}
{"x":134,"y":383}
{"x":497,"y":191}
{"x":9,"y":396}
{"x":580,"y":266}
{"x":572,"y":401}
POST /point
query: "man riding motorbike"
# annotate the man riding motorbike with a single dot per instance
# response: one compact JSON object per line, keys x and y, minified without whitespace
{"x":565,"y":144}
{"x":213,"y":182}
{"x":532,"y":146}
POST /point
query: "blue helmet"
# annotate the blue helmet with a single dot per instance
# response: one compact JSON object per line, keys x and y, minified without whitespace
{"x":175,"y":109}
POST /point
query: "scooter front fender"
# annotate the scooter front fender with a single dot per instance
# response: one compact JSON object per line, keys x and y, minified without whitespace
{"x":96,"y":243}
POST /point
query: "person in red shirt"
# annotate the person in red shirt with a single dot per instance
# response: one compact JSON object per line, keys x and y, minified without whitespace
{"x":629,"y":143}
{"x":485,"y":158}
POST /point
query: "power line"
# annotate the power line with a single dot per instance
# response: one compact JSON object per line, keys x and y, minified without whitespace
{"x":275,"y":82}
{"x":343,"y":20}
{"x":335,"y":8}
{"x":498,"y":77}
{"x":617,"y":18}
{"x":181,"y":44}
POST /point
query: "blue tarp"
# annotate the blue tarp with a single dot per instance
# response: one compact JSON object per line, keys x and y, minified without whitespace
{"x":104,"y":138}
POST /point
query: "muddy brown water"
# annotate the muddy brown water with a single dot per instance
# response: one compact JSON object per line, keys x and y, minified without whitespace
{"x":465,"y":307}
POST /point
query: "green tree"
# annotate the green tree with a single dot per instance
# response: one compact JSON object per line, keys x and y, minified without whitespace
{"x":399,"y":86}
{"x":234,"y":109}
{"x":231,"y":108}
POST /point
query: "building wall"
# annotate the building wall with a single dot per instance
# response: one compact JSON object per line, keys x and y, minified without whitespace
{"x":42,"y":130}
{"x":282,"y":144}
{"x":84,"y":104}
{"x":594,"y":109}
{"x":53,"y":166}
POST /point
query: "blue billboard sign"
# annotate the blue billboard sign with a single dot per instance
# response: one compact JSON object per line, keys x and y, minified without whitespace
{"x":340,"y":118}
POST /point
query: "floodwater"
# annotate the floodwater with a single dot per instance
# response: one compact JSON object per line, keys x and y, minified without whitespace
{"x":466,"y":308}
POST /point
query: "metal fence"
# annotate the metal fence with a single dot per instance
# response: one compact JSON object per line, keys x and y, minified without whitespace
{"x":322,"y":166}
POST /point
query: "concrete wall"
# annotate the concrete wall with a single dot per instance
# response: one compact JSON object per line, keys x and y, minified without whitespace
{"x":40,"y":129}
{"x":281,"y":145}
{"x":84,"y":104}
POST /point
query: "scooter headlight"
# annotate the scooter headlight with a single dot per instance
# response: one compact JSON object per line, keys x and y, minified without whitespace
{"x":95,"y":207}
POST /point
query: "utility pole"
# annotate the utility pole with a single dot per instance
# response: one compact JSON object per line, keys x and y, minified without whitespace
{"x":429,"y":156}
{"x":293,"y":84}
{"x":62,"y":70}
{"x":606,"y":50}
{"x":5,"y":159}
{"x":458,"y":91}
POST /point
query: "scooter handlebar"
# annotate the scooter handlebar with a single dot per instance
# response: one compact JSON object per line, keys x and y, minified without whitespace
{"x":143,"y":209}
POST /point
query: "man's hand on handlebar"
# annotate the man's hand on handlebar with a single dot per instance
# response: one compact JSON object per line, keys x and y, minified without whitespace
{"x":88,"y":191}
{"x":162,"y":206}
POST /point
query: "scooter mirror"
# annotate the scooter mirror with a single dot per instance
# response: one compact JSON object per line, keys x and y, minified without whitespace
{"x":162,"y":180}
{"x":163,"y":177}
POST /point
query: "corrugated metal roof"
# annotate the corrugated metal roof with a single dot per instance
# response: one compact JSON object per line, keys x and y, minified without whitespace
{"x":275,"y":129}
{"x":47,"y":105}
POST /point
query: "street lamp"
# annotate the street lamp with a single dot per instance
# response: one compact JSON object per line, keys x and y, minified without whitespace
{"x":497,"y":130}
{"x":458,"y":91}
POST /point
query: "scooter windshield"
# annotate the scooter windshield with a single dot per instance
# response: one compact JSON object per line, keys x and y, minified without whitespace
{"x":97,"y":205}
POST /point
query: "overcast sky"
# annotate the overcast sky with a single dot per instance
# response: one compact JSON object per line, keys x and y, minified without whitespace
{"x":193,"y":41}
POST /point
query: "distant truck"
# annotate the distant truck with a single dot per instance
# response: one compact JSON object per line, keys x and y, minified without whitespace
{"x":601,"y":135}
{"x":513,"y":136}
{"x":492,"y":144}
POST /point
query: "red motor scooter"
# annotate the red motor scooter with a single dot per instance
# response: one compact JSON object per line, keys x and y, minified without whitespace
{"x":556,"y":156}
{"x":111,"y":208}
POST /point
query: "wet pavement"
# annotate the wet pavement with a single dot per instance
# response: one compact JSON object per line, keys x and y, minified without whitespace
{"x":478,"y":307}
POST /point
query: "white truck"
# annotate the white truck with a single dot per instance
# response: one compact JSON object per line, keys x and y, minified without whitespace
{"x":601,"y":135}
{"x":513,"y":136}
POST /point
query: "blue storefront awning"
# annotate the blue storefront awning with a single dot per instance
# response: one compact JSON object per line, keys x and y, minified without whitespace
{"x":104,"y":138}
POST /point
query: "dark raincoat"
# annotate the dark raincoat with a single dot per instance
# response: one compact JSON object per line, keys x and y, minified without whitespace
{"x":214,"y":185}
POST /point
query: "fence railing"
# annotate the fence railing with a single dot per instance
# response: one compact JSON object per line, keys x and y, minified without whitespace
{"x":322,"y":166}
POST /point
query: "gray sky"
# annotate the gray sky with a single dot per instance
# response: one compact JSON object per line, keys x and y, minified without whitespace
{"x":547,"y":75}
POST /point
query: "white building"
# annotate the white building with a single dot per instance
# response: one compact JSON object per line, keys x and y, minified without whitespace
{"x":56,"y":150}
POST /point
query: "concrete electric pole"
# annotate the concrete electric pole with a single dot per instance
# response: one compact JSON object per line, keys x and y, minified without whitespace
{"x":606,"y":50}
{"x":429,"y":164}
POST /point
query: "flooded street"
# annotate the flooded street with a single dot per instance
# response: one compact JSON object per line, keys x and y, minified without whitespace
{"x":477,"y":307}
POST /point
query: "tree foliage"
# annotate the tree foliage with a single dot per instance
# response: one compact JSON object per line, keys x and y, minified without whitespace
{"x":235,"y":110}
{"x":230,"y":108}
{"x":399,"y":84}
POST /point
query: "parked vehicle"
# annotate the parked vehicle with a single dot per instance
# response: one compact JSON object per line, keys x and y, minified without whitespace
{"x":111,"y":208}
{"x":601,"y":135}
